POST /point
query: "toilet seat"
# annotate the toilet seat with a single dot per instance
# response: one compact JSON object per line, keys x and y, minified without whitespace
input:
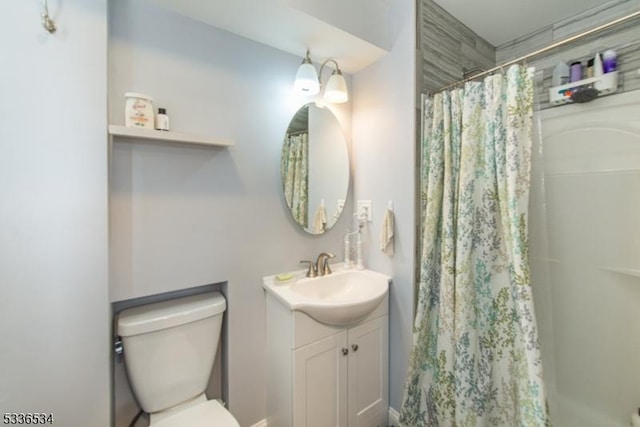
{"x":206,"y":414}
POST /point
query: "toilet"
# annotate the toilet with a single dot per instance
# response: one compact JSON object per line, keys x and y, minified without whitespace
{"x":169,"y":351}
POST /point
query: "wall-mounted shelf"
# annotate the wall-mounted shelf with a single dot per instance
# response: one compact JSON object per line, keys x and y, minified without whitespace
{"x":605,"y":84}
{"x":179,"y":137}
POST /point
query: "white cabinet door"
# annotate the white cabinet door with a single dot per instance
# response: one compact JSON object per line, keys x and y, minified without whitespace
{"x":320,"y":383}
{"x":368,"y":397}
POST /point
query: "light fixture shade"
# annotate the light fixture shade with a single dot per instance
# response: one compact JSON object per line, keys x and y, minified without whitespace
{"x":307,"y":79}
{"x":336,"y":89}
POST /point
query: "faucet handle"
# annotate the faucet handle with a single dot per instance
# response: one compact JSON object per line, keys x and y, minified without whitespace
{"x":312,"y":271}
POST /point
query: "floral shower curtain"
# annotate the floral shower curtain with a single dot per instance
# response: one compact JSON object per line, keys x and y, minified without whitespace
{"x":294,"y":168}
{"x":475,"y":359}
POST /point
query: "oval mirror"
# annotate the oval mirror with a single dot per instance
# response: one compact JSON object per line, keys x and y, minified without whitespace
{"x":314,"y":167}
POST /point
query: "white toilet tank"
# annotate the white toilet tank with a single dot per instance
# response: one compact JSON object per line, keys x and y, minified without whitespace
{"x":170,"y":347}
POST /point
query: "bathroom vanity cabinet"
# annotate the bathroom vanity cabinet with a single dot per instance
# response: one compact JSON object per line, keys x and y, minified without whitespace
{"x":321,"y":375}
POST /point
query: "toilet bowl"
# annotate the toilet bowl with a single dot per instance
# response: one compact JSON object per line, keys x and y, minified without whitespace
{"x":169,"y":350}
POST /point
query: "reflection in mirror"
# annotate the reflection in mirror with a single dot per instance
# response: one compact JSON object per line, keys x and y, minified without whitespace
{"x":314,"y":168}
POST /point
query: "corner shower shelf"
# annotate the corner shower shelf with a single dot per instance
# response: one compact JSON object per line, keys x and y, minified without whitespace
{"x":606,"y":84}
{"x":179,"y":137}
{"x":625,"y":271}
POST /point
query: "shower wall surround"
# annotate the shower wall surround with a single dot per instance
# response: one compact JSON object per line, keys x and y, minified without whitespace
{"x":585,"y":201}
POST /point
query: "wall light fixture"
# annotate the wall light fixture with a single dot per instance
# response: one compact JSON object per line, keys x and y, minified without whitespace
{"x":308,"y":81}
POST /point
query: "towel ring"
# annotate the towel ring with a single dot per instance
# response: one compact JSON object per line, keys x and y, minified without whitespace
{"x":48,"y":23}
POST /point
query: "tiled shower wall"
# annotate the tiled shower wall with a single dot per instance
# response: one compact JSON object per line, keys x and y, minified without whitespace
{"x":448,"y":47}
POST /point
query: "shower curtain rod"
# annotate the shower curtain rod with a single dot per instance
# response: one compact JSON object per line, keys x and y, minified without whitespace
{"x":545,"y":49}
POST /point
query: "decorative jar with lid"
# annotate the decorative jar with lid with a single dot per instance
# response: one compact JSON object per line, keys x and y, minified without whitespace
{"x":139,"y":111}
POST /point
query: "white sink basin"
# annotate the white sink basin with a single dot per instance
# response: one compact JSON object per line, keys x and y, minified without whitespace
{"x":340,"y":298}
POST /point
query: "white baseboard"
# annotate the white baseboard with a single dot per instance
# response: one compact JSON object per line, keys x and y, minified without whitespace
{"x":261,"y":423}
{"x":394,"y":417}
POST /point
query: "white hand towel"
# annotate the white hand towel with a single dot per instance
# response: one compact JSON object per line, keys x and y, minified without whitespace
{"x":320,"y":220}
{"x":386,"y":234}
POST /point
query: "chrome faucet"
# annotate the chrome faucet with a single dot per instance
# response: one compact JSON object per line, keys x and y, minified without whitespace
{"x":322,"y":263}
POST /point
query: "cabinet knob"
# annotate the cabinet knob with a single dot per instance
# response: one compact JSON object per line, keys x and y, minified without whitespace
{"x":345,"y":351}
{"x":354,"y":347}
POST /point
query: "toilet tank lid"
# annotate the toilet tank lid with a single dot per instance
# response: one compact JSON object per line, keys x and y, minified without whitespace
{"x":166,"y":314}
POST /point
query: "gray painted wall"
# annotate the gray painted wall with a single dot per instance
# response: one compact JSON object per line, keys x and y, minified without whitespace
{"x":183,"y":216}
{"x":180,"y":216}
{"x":54,"y":311}
{"x":384,"y":146}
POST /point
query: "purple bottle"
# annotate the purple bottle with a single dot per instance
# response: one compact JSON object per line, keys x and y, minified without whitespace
{"x":609,"y":61}
{"x":576,"y":71}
